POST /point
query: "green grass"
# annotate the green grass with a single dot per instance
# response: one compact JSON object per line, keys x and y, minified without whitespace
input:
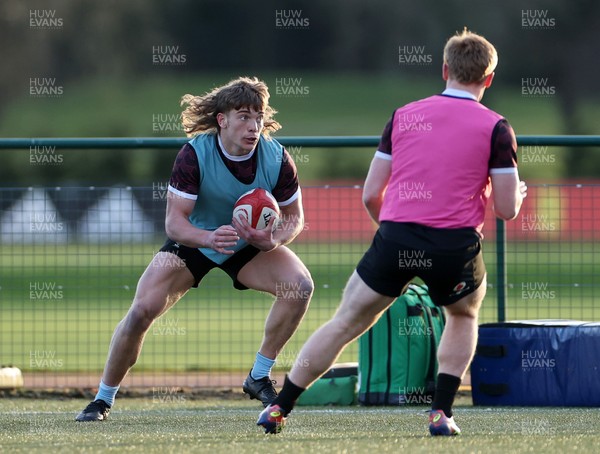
{"x":356,"y":104}
{"x":216,"y":327}
{"x":335,"y":104}
{"x":183,"y":425}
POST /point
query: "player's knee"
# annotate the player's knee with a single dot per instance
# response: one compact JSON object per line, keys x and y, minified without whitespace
{"x":298,"y":289}
{"x":141,"y":315}
{"x":348,"y":329}
{"x":306,"y":288}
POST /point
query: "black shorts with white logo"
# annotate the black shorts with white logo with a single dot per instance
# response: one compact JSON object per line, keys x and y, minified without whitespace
{"x":199,"y":265}
{"x":449,"y":261}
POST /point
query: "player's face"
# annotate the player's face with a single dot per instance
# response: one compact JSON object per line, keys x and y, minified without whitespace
{"x":240,"y":130}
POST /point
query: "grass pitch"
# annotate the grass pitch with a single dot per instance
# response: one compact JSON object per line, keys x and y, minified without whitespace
{"x":182,"y":425}
{"x":216,"y":327}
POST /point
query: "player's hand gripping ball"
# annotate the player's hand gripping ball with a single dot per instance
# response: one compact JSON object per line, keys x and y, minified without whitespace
{"x":258,"y":206}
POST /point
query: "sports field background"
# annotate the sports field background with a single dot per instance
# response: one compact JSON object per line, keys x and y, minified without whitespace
{"x":177,"y":423}
{"x":63,"y":291}
{"x":357,"y":104}
{"x":65,"y":285}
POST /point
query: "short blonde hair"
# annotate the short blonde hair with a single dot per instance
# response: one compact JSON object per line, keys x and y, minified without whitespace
{"x":200,"y":113}
{"x":470,"y":57}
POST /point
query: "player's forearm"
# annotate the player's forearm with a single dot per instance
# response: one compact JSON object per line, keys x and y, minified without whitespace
{"x":376,"y":186}
{"x":183,"y":232}
{"x":287,"y":229}
{"x":373,"y":207}
{"x":508,"y":200}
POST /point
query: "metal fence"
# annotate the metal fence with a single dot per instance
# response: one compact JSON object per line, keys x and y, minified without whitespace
{"x":71,"y":257}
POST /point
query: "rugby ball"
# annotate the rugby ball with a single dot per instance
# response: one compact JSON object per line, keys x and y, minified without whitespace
{"x":258,"y":206}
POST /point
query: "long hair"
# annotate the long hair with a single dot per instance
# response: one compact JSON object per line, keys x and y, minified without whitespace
{"x":200,"y":113}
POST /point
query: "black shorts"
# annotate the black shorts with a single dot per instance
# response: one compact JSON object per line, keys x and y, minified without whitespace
{"x":449,"y":261}
{"x":199,"y":265}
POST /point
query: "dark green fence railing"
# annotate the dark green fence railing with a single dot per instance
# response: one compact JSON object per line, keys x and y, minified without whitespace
{"x":308,"y":141}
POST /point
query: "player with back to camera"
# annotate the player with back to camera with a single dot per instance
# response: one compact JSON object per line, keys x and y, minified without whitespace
{"x":231,"y":152}
{"x":438,"y":162}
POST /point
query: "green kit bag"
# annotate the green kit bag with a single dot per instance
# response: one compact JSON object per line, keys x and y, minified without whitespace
{"x":398,"y":355}
{"x":337,"y":387}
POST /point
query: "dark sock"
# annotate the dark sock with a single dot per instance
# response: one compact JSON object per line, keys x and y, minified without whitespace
{"x":288,"y":396}
{"x":445,"y":392}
